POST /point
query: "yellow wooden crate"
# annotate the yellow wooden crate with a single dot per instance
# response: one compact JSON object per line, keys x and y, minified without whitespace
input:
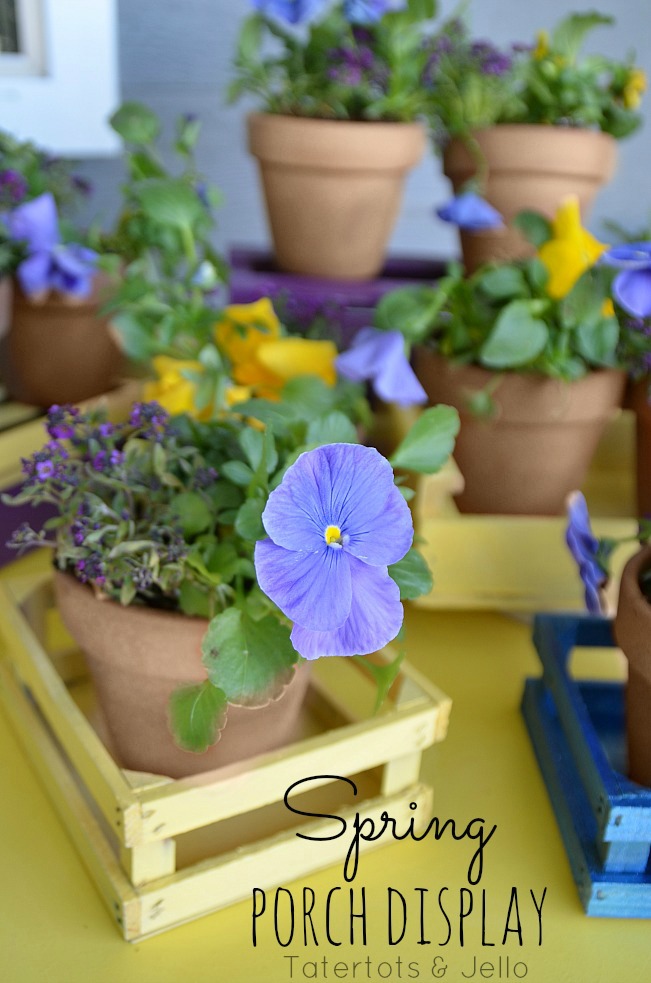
{"x":521,"y":563}
{"x":163,"y":851}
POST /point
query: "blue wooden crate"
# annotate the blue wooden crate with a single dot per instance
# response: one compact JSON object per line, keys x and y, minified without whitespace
{"x":577,"y":729}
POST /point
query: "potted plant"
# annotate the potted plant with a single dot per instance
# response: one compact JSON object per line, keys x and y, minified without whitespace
{"x":632,"y":297}
{"x":171,"y":279}
{"x":190,"y":545}
{"x":55,"y":346}
{"x":632,"y":625}
{"x":527,"y":125}
{"x":338,"y":84}
{"x":528,"y":352}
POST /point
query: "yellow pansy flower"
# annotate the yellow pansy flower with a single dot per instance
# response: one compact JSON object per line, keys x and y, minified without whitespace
{"x":243,"y":328}
{"x":542,"y":45}
{"x":635,"y":85}
{"x":571,"y":251}
{"x":288,"y":358}
{"x":173,"y":389}
{"x":262,"y":361}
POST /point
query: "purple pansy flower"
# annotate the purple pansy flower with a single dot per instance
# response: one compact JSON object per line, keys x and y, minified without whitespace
{"x":631,"y":287}
{"x":584,"y":547}
{"x":370,"y":11}
{"x":379,"y":357}
{"x":471,"y":212}
{"x":290,"y":11}
{"x":50,"y":265}
{"x":335,"y":523}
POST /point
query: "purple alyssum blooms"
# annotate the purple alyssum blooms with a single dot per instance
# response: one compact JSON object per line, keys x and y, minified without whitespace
{"x":61,"y":421}
{"x":50,"y":264}
{"x":584,"y":547}
{"x":379,"y":357}
{"x":632,"y":286}
{"x":335,"y":523}
{"x":13,"y":187}
{"x":471,"y":212}
{"x":290,"y":11}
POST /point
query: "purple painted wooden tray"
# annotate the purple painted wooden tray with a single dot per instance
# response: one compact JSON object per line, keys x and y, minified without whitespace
{"x":346,"y":304}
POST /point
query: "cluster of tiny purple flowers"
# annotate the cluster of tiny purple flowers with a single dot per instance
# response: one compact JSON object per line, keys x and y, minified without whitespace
{"x":357,"y":66}
{"x":13,"y":188}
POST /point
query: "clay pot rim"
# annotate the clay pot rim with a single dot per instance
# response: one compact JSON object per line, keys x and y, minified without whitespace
{"x":142,"y":611}
{"x":635,"y":566}
{"x":292,"y":120}
{"x":454,"y":365}
{"x":312,"y":144}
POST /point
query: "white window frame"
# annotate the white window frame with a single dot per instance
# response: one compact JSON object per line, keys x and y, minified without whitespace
{"x":64,"y":104}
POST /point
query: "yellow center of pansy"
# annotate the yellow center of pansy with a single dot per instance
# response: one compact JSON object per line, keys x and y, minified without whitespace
{"x":333,"y":536}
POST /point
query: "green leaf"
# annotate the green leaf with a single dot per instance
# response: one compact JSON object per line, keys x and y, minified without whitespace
{"x":309,"y":397}
{"x":501,"y":282}
{"x":516,"y":338}
{"x":534,"y":227}
{"x":251,"y":661}
{"x":193,"y":601}
{"x":569,"y":34}
{"x":252,"y":443}
{"x":383,"y":675}
{"x":135,"y":123}
{"x":597,"y":342}
{"x":238,"y":472}
{"x":412,"y":576}
{"x":197,"y":714}
{"x":135,"y":337}
{"x":248,"y":523}
{"x":335,"y":428}
{"x":193,"y":512}
{"x":412,"y":310}
{"x":170,"y":202}
{"x":429,"y":442}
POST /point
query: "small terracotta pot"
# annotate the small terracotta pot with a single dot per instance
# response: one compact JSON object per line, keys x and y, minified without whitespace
{"x":5,"y":304}
{"x":332,"y":189}
{"x":58,"y":351}
{"x":529,"y":167}
{"x":537,"y":447}
{"x":633,"y":635}
{"x":640,"y":393}
{"x":137,"y":656}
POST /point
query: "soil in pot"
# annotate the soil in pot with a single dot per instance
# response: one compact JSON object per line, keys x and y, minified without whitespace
{"x":633,"y":635}
{"x":137,"y":656}
{"x":332,"y":189}
{"x":58,"y":351}
{"x":528,"y":167}
{"x":538,"y":445}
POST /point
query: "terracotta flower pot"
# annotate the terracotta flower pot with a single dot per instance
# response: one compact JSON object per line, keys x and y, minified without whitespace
{"x":639,"y":403}
{"x":539,"y":444}
{"x":633,"y":635}
{"x":137,"y":656}
{"x":58,"y":351}
{"x":529,"y":167}
{"x":332,"y":189}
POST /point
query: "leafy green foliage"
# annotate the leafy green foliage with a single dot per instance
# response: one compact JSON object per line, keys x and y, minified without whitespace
{"x":503,"y":318}
{"x":197,"y":715}
{"x":306,"y":71}
{"x":472,"y":85}
{"x":383,"y":674}
{"x":429,"y":442}
{"x":168,"y":266}
{"x":412,"y":576}
{"x":250,"y":661}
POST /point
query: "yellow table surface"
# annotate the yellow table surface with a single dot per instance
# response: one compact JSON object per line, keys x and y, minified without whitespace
{"x":54,"y":928}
